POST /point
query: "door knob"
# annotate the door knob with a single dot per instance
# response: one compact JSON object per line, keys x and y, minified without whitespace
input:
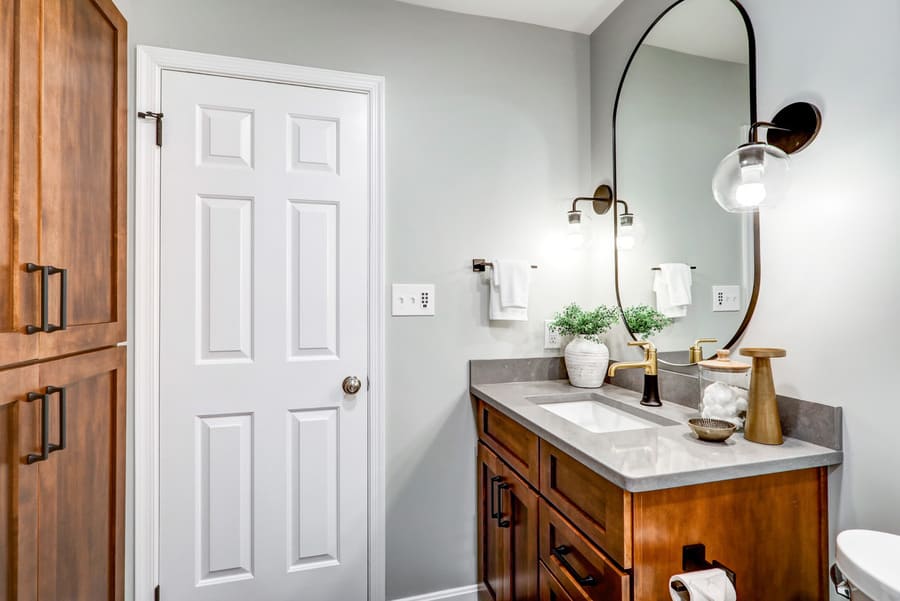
{"x":351,"y":385}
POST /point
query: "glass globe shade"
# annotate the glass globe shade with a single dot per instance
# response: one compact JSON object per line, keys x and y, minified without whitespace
{"x":578,"y":235}
{"x":752,"y":176}
{"x":630,"y":232}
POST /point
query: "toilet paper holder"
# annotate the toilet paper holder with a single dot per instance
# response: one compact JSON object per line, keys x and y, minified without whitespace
{"x":693,"y":559}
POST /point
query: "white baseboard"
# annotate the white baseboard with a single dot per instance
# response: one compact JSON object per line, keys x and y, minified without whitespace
{"x":463,"y":593}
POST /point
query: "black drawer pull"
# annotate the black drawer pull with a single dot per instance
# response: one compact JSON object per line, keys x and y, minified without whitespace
{"x":45,"y":428}
{"x":61,"y":400}
{"x":560,"y":553}
{"x":500,"y":521}
{"x":46,"y":272}
{"x":494,"y":481}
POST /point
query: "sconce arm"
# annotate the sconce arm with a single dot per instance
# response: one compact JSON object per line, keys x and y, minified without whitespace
{"x":753,"y":137}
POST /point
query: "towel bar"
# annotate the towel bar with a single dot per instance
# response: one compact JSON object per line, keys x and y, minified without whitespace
{"x":658,"y":269}
{"x":479,"y":265}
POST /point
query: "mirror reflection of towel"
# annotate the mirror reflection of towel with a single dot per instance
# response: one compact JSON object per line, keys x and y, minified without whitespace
{"x":672,"y":285}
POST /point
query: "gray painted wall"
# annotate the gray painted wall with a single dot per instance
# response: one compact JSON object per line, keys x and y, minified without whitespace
{"x":679,"y":114}
{"x":829,"y":252}
{"x":488,"y":136}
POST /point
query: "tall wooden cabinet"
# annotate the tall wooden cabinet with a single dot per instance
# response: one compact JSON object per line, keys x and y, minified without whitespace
{"x":62,"y":299}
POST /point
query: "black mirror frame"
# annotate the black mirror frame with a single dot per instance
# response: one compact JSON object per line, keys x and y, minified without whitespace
{"x":751,"y":55}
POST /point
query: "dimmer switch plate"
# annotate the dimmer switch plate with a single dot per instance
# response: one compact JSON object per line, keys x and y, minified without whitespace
{"x":412,"y":300}
{"x":726,"y":298}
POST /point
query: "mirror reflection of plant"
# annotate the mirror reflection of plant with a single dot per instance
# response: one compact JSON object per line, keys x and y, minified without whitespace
{"x":575,"y":321}
{"x":643,"y":319}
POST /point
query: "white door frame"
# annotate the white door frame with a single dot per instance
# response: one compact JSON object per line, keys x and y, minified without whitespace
{"x":151,"y":62}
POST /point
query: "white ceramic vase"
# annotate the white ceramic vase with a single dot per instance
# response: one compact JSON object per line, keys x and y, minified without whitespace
{"x":586,"y":362}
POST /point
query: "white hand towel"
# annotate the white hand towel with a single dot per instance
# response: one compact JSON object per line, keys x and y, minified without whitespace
{"x":509,"y":290}
{"x":678,"y":279}
{"x":514,"y":279}
{"x":672,"y":285}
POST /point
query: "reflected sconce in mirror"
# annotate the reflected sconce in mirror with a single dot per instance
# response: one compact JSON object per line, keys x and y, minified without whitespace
{"x":602,"y":201}
{"x":757,"y":173}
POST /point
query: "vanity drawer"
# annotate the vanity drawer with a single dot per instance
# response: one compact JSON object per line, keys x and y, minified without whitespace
{"x":551,"y":589}
{"x":581,"y":568}
{"x":516,"y":445}
{"x":596,"y":506}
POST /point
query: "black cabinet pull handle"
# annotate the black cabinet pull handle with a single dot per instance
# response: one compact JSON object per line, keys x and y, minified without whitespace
{"x":63,"y":298}
{"x":46,"y":272}
{"x":45,"y":282}
{"x":45,"y":428}
{"x":61,"y":400}
{"x":560,"y":553}
{"x":494,"y":481}
{"x":500,"y":521}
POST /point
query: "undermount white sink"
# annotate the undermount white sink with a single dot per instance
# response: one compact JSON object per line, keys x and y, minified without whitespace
{"x":596,"y":414}
{"x":870,"y":561}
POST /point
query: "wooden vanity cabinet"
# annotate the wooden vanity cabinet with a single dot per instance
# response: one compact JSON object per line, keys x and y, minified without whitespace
{"x":594,"y":541}
{"x":507,"y":534}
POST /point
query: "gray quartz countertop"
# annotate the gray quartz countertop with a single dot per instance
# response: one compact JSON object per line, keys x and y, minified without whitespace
{"x":649,"y":459}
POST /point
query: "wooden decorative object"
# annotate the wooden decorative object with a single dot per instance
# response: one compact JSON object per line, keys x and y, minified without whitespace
{"x":763,"y":422}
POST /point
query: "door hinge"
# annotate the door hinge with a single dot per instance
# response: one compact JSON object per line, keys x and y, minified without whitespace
{"x":159,"y":118}
{"x":156,"y":593}
{"x":368,"y":383}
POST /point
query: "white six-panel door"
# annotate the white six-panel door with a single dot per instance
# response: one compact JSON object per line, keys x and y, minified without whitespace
{"x":263,"y":278}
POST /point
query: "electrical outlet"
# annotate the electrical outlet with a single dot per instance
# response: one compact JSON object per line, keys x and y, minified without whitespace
{"x":412,"y":300}
{"x":726,"y":298}
{"x":551,"y":336}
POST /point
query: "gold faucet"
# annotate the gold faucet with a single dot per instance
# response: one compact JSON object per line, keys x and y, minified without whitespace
{"x":650,"y":397}
{"x":649,"y":363}
{"x":696,"y":351}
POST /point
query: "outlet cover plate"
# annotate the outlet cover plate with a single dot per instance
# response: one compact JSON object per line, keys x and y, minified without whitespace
{"x":551,"y":337}
{"x":412,"y":300}
{"x":726,"y":298}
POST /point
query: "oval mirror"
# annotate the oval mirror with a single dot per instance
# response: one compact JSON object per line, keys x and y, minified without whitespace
{"x":686,"y":99}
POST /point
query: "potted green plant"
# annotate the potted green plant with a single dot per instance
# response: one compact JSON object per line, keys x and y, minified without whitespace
{"x":586,"y":356}
{"x":645,"y":321}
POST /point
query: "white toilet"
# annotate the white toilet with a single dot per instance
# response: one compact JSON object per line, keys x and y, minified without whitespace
{"x":867,"y":566}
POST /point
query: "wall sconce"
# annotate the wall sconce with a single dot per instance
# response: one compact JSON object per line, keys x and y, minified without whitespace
{"x":602,"y":201}
{"x":756,"y":174}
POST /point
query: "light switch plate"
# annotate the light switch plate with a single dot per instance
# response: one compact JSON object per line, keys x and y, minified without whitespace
{"x":410,"y":300}
{"x":551,"y":337}
{"x":726,"y":298}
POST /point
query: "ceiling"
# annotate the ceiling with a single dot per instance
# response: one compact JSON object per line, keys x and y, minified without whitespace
{"x":582,"y":16}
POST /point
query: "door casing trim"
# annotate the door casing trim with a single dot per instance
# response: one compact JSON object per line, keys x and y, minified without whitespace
{"x":151,"y":62}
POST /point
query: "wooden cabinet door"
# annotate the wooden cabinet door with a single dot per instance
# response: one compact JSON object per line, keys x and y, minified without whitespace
{"x":18,"y":189}
{"x":517,"y":507}
{"x":508,"y":531}
{"x":492,"y":553}
{"x":81,"y":123}
{"x":81,"y":498}
{"x":20,"y":434}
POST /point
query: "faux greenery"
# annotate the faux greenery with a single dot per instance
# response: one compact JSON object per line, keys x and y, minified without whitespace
{"x":645,"y":320}
{"x":575,"y":321}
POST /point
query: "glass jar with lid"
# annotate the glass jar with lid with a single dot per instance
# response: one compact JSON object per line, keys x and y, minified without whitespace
{"x":724,"y":388}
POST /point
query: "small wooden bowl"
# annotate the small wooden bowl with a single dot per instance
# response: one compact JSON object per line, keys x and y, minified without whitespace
{"x":711,"y":430}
